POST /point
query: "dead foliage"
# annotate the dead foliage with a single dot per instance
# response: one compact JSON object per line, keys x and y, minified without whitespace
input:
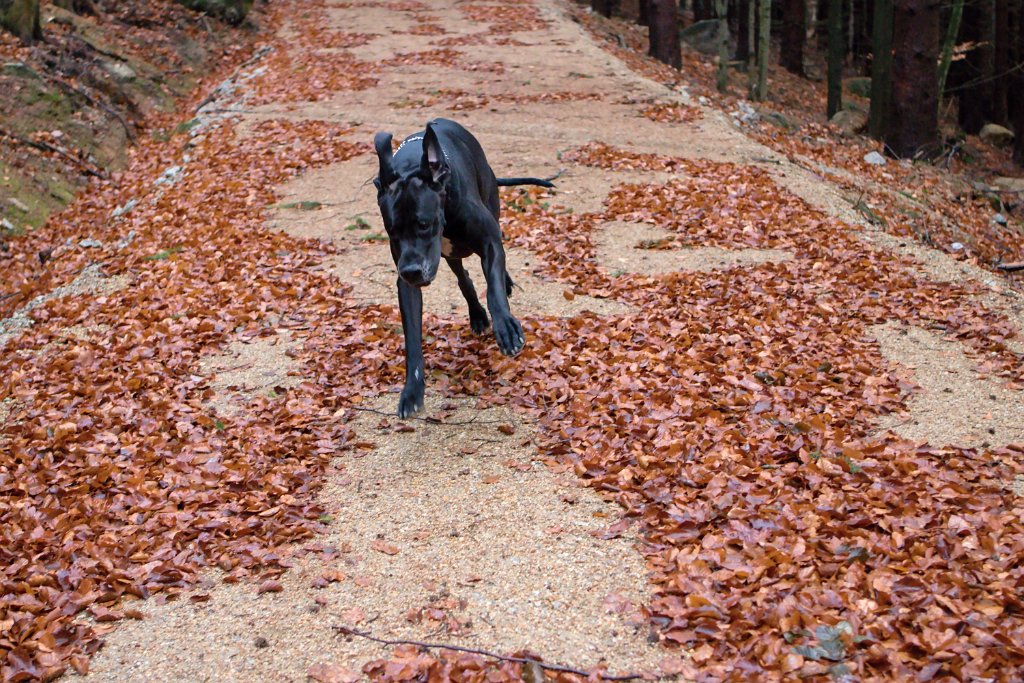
{"x":730,"y":416}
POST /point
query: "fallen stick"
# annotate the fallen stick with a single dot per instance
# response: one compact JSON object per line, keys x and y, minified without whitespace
{"x":56,"y":150}
{"x":96,"y":103}
{"x":431,"y":420}
{"x":1011,"y":267}
{"x":458,"y":648}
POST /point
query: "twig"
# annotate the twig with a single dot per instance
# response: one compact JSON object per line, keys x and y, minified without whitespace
{"x":485,"y":653}
{"x":431,"y":420}
{"x":56,"y":150}
{"x":96,"y":103}
{"x":1011,"y":267}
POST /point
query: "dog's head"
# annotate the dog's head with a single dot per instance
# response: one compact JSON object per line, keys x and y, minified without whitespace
{"x":412,"y":206}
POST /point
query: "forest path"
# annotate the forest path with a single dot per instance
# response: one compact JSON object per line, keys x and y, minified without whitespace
{"x":459,"y":528}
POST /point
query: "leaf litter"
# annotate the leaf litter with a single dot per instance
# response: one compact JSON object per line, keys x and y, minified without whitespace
{"x":732,"y":415}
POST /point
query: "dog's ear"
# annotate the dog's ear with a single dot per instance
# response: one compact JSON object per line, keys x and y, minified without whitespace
{"x":386,"y":175}
{"x":434,"y":163}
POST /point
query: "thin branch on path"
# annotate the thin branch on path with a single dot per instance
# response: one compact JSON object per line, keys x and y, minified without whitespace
{"x":431,"y":420}
{"x":485,"y":653}
{"x":1011,"y":267}
{"x":98,"y":104}
{"x":56,"y":150}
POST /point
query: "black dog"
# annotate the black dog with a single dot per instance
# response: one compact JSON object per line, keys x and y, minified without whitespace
{"x":439,"y":197}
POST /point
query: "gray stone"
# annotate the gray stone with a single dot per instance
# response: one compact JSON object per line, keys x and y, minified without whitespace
{"x":119,"y":70}
{"x":18,"y":204}
{"x":776,"y":119}
{"x":849,"y":121}
{"x":875,"y":159}
{"x":170,"y":176}
{"x":20,"y":69}
{"x":126,"y":240}
{"x":859,"y":86}
{"x":996,"y":135}
{"x":6,"y":225}
{"x":999,"y":218}
{"x":1009,"y":184}
{"x":702,"y":36}
{"x":125,"y":208}
{"x":90,"y":243}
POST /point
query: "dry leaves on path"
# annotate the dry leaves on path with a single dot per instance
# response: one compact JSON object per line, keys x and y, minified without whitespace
{"x":730,"y":416}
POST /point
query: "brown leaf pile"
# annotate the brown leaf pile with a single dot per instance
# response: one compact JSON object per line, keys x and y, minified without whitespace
{"x":463,"y":100}
{"x":671,"y":112}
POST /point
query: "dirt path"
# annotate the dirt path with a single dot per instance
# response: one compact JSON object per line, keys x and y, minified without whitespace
{"x":459,"y":528}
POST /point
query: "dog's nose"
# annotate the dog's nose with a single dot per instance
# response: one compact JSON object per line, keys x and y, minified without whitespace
{"x":413,"y":275}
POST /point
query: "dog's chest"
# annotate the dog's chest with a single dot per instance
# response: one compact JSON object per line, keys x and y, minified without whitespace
{"x":450,"y":249}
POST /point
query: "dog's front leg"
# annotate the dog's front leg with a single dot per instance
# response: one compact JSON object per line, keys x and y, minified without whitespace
{"x":507,"y":330}
{"x":410,"y":303}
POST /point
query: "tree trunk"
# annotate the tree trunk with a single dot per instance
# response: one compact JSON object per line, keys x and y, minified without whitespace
{"x":811,"y":20}
{"x":972,"y":75}
{"x":603,"y":7}
{"x":1017,"y":92}
{"x":835,"y":57}
{"x":231,"y":11}
{"x":21,"y":17}
{"x":1001,"y":66}
{"x":764,"y":41}
{"x":643,"y":16}
{"x":791,"y":56}
{"x":664,"y":32}
{"x":752,"y":49}
{"x":952,"y":31}
{"x":703,"y":10}
{"x":742,"y":30}
{"x":881,"y":68}
{"x":78,"y":6}
{"x":722,"y":9}
{"x":915,"y":102}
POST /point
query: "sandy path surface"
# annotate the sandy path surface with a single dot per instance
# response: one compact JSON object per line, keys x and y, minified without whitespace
{"x":455,"y":529}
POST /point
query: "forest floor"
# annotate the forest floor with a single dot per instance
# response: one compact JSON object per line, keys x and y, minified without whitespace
{"x":758,"y":429}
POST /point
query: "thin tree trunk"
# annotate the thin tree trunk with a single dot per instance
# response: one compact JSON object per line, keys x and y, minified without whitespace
{"x":1001,"y":66}
{"x":1017,"y":92}
{"x":21,"y":17}
{"x":743,"y":30}
{"x":664,"y":32}
{"x":644,"y":13}
{"x":835,"y":57}
{"x":702,"y":10}
{"x":811,"y":21}
{"x":952,"y":31}
{"x":915,"y":102}
{"x":881,"y":69}
{"x":602,"y":7}
{"x":722,"y":9}
{"x":791,"y":56}
{"x":752,"y":49}
{"x":764,"y":41}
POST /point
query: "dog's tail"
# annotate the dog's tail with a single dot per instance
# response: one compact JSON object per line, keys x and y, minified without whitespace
{"x":508,"y":182}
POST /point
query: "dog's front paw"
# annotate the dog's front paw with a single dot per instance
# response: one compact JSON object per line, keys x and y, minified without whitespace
{"x":509,"y":334}
{"x":478,"y":321}
{"x":411,"y":401}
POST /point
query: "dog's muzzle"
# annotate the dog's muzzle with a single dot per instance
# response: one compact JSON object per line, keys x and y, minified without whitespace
{"x":416,"y":275}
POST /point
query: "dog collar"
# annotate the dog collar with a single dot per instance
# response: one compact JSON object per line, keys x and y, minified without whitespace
{"x":414,"y":139}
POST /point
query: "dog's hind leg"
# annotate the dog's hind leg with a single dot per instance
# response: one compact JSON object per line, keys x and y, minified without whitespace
{"x":478,"y":319}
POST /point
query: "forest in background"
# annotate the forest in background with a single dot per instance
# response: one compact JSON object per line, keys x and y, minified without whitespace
{"x":921,"y":63}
